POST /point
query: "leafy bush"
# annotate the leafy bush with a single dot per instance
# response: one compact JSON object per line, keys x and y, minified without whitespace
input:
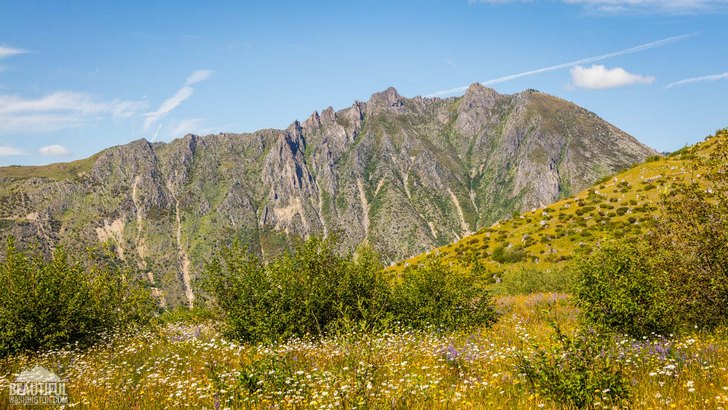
{"x":653,"y":158}
{"x":435,"y":295}
{"x":505,"y":254}
{"x":690,"y":242}
{"x":577,"y":371}
{"x":679,"y":279}
{"x":314,"y":290}
{"x":308,"y":291}
{"x":50,"y":303}
{"x":617,"y":290}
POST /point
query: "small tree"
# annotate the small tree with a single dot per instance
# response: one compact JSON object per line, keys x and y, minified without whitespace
{"x":617,"y":289}
{"x":678,"y":278}
{"x":691,"y":241}
{"x":435,"y":294}
{"x":308,"y":291}
{"x":50,"y":303}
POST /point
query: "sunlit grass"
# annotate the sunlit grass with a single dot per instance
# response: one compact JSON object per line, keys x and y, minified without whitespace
{"x":191,"y":366}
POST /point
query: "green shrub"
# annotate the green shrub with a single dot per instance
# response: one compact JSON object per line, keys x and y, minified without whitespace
{"x":436,"y":295}
{"x":653,"y":158}
{"x":577,"y":372}
{"x":679,"y":279}
{"x":308,"y":291}
{"x":505,"y":254}
{"x":50,"y":303}
{"x":617,"y":290}
{"x":690,"y":242}
{"x":314,"y":290}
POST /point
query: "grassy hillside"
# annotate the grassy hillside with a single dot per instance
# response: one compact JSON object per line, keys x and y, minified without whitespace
{"x":622,"y":205}
{"x":57,"y":171}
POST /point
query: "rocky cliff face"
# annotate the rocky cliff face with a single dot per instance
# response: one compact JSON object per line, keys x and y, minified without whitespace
{"x":404,"y":175}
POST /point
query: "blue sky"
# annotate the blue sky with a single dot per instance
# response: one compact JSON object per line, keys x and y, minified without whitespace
{"x":79,"y":76}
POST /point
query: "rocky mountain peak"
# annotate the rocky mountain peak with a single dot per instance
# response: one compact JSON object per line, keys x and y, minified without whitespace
{"x":328,"y":115}
{"x":477,"y":92}
{"x":313,"y":121}
{"x":388,"y":99}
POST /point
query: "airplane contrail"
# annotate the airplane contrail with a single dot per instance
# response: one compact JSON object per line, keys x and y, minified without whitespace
{"x":587,"y":60}
{"x":712,"y":77}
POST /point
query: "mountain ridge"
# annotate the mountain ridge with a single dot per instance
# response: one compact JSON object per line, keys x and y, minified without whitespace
{"x":403,"y":174}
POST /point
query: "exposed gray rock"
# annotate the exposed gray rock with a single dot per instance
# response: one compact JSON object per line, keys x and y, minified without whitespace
{"x":404,"y":175}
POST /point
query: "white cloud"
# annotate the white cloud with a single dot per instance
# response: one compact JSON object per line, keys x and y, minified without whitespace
{"x":653,"y":6}
{"x":10,"y":151}
{"x":712,"y":77}
{"x":54,"y":150}
{"x":174,"y":101}
{"x":599,"y":77}
{"x":168,"y":105}
{"x":59,"y":110}
{"x":198,"y":76}
{"x":638,"y":6}
{"x":636,"y":49}
{"x":10,"y":51}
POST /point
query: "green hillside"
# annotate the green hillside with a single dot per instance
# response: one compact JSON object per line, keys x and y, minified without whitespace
{"x":619,"y":206}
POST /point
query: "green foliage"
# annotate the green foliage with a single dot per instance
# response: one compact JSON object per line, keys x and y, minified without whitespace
{"x":308,"y":291}
{"x":51,"y":303}
{"x":434,"y":294}
{"x":314,"y":290}
{"x":679,"y":281}
{"x":200,"y":313}
{"x":690,"y":242}
{"x":653,"y":158}
{"x":527,"y":281}
{"x":617,"y":290}
{"x":576,"y":371}
{"x":506,"y":254}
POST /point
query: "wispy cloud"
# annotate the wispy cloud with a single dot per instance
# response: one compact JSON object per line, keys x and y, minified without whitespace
{"x":636,"y":49}
{"x":652,"y":6}
{"x":10,"y":151}
{"x":638,"y":6}
{"x":54,"y":151}
{"x":168,"y":105}
{"x":10,"y":51}
{"x":197,"y":76}
{"x":599,"y":77}
{"x":174,"y":101}
{"x":59,"y":110}
{"x":712,"y":77}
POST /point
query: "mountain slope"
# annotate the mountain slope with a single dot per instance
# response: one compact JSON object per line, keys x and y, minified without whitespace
{"x":619,"y":206}
{"x":405,"y":175}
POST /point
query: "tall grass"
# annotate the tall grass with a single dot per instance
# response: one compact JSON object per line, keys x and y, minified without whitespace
{"x":192,"y":366}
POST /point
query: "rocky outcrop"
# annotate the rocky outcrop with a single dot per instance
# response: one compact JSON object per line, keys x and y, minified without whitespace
{"x":404,"y":175}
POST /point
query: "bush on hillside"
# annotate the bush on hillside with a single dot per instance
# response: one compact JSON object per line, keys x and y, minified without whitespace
{"x":580,"y":371}
{"x":307,"y":291}
{"x":617,"y":289}
{"x":690,"y":240}
{"x":314,"y":290}
{"x":678,"y":279}
{"x":435,"y":294}
{"x":508,"y":254}
{"x":50,"y":303}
